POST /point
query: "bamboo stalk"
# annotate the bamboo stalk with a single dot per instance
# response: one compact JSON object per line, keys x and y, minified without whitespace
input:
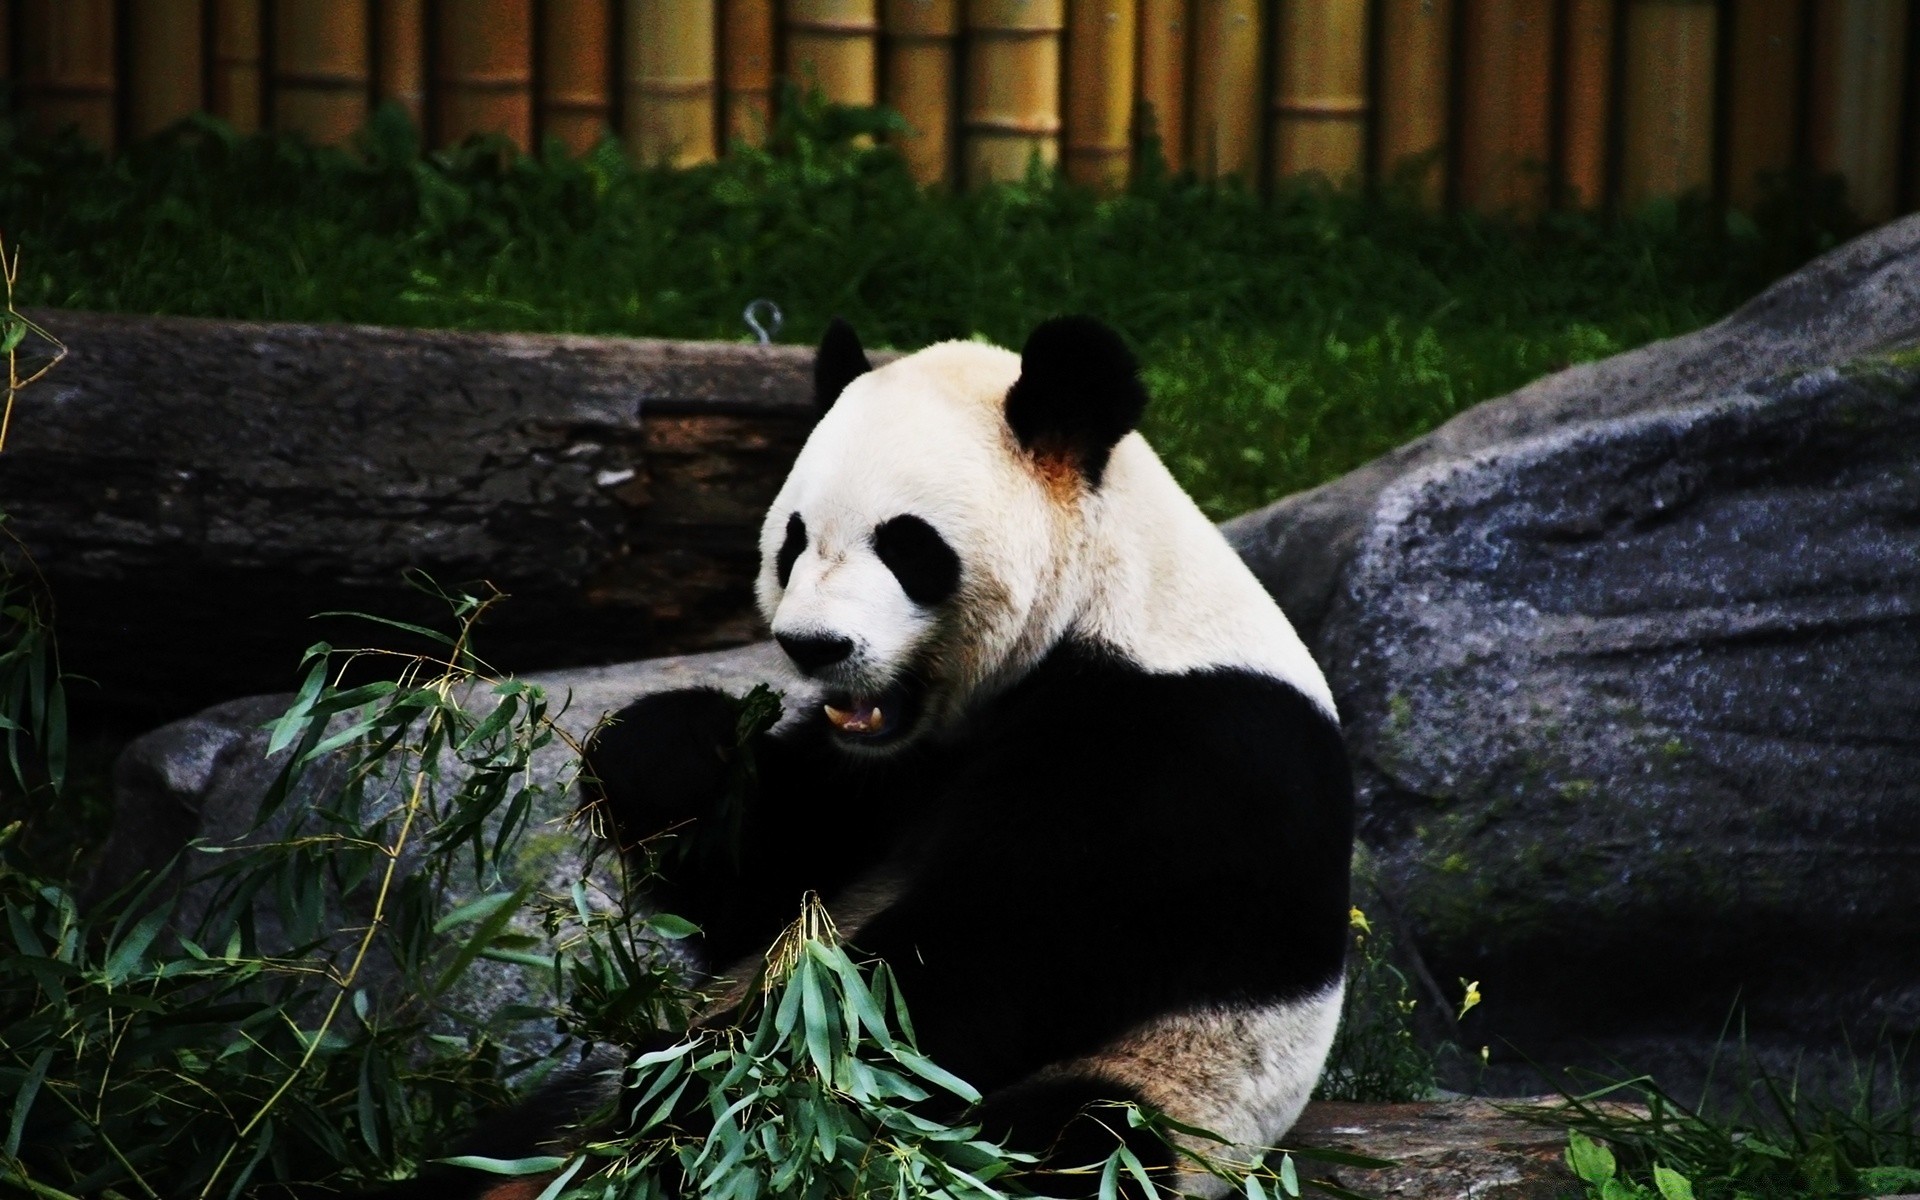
{"x":1099,"y":117}
{"x":576,"y":92}
{"x":1764,"y":64}
{"x":236,"y":64}
{"x":746,"y":70}
{"x":920,"y":38}
{"x":66,"y":56}
{"x":1668,"y":114}
{"x":1164,"y":34}
{"x":1586,"y":74}
{"x":1320,"y":109}
{"x":834,"y":45}
{"x":670,"y":80}
{"x":1502,"y":160}
{"x":319,"y":77}
{"x":6,"y":41}
{"x":484,"y":69}
{"x":1859,"y":75}
{"x":1012,"y":87}
{"x":401,"y":34}
{"x":1226,"y":89}
{"x":163,"y":63}
{"x":1410,"y":131}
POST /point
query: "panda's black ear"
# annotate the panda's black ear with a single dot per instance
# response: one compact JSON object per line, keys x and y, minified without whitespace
{"x":837,"y":363}
{"x":1078,"y":393}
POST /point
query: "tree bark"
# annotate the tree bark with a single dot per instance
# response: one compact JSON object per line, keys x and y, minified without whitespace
{"x":194,"y":491}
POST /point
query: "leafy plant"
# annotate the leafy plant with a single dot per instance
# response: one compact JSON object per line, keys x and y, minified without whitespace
{"x":1594,"y":1164}
{"x":1774,"y":1139}
{"x":1377,"y":1055}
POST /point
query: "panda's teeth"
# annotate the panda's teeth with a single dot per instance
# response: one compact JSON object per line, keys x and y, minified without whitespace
{"x":862,"y":720}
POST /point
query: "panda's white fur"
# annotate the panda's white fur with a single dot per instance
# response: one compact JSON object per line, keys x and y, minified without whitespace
{"x":1077,"y":780}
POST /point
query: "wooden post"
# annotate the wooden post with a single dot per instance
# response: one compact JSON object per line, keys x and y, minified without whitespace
{"x":67,"y":50}
{"x":919,"y":40}
{"x":401,"y":35}
{"x":319,"y":76}
{"x":576,"y":85}
{"x":236,"y":64}
{"x":1164,"y":34}
{"x":747,"y":70}
{"x":834,"y":45}
{"x":1859,"y":77}
{"x":1668,"y":114}
{"x":484,"y":69}
{"x":1410,"y":132}
{"x":164,"y":70}
{"x":1100,"y":61}
{"x":1501,"y":164}
{"x":670,"y":81}
{"x":1225,"y":136}
{"x":1320,"y":109}
{"x":1586,"y":75}
{"x":1013,"y":87}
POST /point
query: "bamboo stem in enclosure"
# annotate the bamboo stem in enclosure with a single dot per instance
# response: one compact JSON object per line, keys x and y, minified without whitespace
{"x":236,"y":64}
{"x":66,"y":57}
{"x":1320,"y":108}
{"x":1859,"y":80}
{"x":164,"y":66}
{"x":6,"y":40}
{"x":1099,"y":117}
{"x":1012,"y":87}
{"x":834,"y":45}
{"x":1501,"y":164}
{"x":319,"y":76}
{"x":1410,"y":129}
{"x":1225,"y":125}
{"x":670,"y":82}
{"x":1586,"y":75}
{"x":1668,"y":110}
{"x":1164,"y":35}
{"x":746,"y":70}
{"x":484,"y":69}
{"x":400,"y":33}
{"x":576,"y":92}
{"x":1765,"y":58}
{"x":920,"y":37}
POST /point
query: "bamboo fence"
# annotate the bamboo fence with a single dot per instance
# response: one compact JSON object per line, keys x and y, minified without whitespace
{"x":1496,"y":105}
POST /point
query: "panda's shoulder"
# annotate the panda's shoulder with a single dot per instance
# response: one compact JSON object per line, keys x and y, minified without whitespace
{"x":1085,"y":700}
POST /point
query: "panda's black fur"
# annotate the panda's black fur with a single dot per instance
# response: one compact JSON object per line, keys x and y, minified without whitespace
{"x":1096,"y":850}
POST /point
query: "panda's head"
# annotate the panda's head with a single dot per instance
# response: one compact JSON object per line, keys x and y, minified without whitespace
{"x":926,"y":548}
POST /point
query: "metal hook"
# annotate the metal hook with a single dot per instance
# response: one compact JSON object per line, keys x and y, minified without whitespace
{"x":774,"y":319}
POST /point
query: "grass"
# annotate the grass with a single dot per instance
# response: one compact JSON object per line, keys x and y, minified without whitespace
{"x":1288,"y":339}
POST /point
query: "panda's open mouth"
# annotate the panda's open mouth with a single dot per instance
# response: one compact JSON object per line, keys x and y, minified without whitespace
{"x":874,"y":717}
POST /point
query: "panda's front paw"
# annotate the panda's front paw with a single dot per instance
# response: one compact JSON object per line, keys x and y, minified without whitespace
{"x":662,"y":761}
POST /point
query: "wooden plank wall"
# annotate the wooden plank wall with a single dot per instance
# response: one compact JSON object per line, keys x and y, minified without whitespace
{"x":1517,"y":105}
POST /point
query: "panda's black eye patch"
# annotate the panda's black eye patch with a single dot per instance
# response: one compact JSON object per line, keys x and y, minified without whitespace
{"x":927,"y":568}
{"x":790,"y":549}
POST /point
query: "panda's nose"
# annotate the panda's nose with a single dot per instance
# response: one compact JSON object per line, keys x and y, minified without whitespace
{"x":814,"y":654}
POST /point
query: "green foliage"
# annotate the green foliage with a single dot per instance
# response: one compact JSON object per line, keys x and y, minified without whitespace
{"x":1376,"y":1055}
{"x":1594,"y":1165}
{"x":1288,"y":338}
{"x":1776,"y":1140}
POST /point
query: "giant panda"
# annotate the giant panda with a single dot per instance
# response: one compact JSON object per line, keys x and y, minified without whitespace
{"x":1073,"y":775}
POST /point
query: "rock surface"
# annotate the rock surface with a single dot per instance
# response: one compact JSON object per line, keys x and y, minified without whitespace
{"x":1441,"y":1151}
{"x":1857,"y":300}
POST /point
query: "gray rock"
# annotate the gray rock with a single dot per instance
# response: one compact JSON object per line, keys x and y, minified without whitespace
{"x":1859,"y":299}
{"x":204,"y":777}
{"x":1635,"y":712}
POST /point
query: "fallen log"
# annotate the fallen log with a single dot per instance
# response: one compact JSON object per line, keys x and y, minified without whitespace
{"x":194,"y":491}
